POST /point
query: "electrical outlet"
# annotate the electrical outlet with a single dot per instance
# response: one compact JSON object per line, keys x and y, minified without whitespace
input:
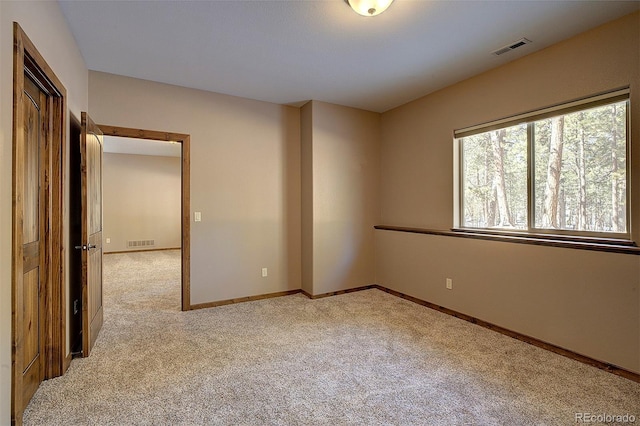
{"x":449,"y":283}
{"x":265,"y":272}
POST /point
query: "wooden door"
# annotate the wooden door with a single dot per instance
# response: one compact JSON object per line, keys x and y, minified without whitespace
{"x":91,"y":146}
{"x":38,"y":323}
{"x":34,"y":269}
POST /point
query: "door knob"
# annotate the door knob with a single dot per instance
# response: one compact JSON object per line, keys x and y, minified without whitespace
{"x":82,"y":247}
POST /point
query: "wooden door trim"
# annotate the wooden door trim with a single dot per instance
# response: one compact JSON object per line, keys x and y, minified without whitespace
{"x":26,"y":58}
{"x":184,"y":139}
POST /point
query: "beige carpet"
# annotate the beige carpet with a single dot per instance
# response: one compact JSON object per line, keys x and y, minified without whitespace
{"x":364,"y":358}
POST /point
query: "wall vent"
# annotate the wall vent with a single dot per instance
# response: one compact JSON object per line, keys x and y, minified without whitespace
{"x":511,"y":46}
{"x":140,"y":243}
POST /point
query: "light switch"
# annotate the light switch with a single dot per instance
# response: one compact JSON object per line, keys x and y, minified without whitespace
{"x":108,"y":240}
{"x":198,"y":216}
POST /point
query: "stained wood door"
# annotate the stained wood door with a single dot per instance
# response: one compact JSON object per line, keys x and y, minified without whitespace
{"x":91,"y":148}
{"x":33,"y":239}
{"x":37,"y":252}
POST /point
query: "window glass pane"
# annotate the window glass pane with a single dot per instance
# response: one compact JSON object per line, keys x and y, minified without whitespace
{"x":494,"y":179}
{"x":580,"y":170}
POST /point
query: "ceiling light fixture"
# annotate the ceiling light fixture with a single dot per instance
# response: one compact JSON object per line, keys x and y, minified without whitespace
{"x":369,"y":7}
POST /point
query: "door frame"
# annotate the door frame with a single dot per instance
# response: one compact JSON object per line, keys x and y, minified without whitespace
{"x":184,"y":140}
{"x":26,"y":58}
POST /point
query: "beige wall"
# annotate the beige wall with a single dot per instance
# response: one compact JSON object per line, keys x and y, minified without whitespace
{"x":245,"y":179}
{"x":141,"y":200}
{"x":341,"y":152}
{"x":306,"y":152}
{"x":588,"y":302}
{"x":45,"y":25}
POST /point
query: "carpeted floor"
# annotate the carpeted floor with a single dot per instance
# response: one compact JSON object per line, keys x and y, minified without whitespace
{"x":364,"y":358}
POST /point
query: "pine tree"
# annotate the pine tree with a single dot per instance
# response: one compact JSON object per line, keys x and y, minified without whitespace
{"x":552,"y":189}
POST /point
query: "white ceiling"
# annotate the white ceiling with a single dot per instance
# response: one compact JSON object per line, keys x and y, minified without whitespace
{"x":120,"y":145}
{"x":288,"y":52}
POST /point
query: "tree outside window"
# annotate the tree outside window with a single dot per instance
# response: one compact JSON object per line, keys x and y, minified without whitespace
{"x":562,"y":173}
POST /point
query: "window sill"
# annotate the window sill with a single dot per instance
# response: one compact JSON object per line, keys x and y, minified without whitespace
{"x":595,"y":244}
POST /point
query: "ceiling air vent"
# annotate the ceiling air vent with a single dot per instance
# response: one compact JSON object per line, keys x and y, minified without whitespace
{"x":511,"y":46}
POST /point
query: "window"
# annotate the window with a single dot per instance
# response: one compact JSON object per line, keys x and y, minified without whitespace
{"x":562,"y":170}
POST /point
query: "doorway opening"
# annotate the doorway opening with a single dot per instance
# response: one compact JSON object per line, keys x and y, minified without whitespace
{"x":171,"y":150}
{"x":142,"y":218}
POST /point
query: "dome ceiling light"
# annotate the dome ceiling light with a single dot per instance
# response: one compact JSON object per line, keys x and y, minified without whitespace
{"x":369,"y":7}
